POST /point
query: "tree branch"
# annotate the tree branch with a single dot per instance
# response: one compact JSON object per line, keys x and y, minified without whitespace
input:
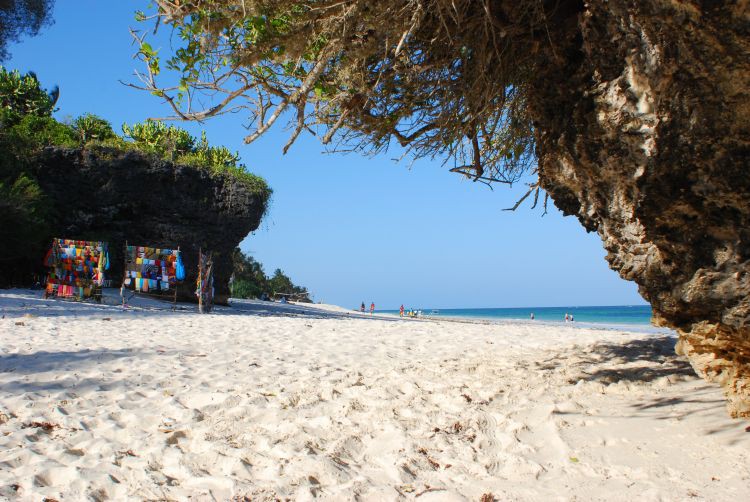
{"x":534,"y":187}
{"x":294,"y":98}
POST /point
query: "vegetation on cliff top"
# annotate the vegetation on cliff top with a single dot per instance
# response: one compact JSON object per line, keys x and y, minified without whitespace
{"x":27,"y":125}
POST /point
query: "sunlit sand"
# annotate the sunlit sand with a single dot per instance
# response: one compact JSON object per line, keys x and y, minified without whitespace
{"x":302,"y":402}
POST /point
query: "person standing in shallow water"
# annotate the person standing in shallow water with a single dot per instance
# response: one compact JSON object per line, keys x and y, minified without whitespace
{"x":372,"y":308}
{"x":401,"y":311}
{"x":532,"y":316}
{"x":362,"y":307}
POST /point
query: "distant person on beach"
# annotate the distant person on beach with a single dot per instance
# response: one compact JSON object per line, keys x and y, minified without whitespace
{"x":532,"y":316}
{"x":401,"y":311}
{"x":362,"y":307}
{"x":566,"y":317}
{"x":372,"y":308}
{"x":571,"y":317}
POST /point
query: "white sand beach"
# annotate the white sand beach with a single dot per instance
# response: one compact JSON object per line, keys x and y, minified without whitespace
{"x":264,"y":402}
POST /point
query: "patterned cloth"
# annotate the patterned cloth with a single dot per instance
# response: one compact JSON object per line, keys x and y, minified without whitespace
{"x":76,"y":268}
{"x":150,"y":270}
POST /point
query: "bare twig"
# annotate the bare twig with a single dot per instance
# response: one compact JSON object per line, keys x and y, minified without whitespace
{"x":533,"y":188}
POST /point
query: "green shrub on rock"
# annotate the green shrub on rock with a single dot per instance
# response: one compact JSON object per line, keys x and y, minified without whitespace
{"x":32,"y":133}
{"x":21,"y":95}
{"x":90,"y":127}
{"x":177,"y":145}
{"x":160,"y":139}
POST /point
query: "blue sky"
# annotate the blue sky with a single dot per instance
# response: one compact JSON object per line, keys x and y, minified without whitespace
{"x":350,"y":228}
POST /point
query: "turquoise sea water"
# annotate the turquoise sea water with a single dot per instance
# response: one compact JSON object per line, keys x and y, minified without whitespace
{"x":619,"y":315}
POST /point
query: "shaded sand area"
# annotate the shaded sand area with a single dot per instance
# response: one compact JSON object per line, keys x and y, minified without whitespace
{"x":299,"y":402}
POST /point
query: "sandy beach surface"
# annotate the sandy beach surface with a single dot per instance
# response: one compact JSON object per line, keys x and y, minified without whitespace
{"x":269,"y":402}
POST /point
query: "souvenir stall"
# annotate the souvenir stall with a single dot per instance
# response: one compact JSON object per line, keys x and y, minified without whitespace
{"x":76,"y":269}
{"x":152,"y":271}
{"x":205,"y":282}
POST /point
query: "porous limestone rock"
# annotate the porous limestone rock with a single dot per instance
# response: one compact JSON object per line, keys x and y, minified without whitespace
{"x":116,"y":196}
{"x":643,"y":133}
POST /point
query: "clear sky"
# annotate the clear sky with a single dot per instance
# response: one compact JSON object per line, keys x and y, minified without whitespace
{"x":350,"y":228}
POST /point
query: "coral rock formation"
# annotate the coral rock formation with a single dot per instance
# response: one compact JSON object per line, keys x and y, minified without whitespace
{"x":648,"y":144}
{"x":118,"y":196}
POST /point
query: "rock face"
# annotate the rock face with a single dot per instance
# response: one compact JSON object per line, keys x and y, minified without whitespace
{"x":118,"y":196}
{"x":643,"y":123}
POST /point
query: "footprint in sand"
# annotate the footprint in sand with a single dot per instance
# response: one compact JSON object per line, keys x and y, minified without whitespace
{"x":490,"y":449}
{"x":541,"y":434}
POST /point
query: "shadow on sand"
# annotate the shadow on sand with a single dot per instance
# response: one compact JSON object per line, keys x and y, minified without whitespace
{"x":18,"y":303}
{"x":65,"y":364}
{"x":43,"y":361}
{"x":647,"y":350}
{"x":274,"y":309}
{"x":652,"y":357}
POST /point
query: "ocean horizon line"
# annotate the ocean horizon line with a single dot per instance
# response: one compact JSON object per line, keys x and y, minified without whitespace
{"x":594,"y":314}
{"x":524,"y":307}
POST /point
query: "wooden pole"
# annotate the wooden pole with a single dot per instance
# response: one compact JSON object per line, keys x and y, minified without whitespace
{"x":174,"y":295}
{"x":209,"y":279}
{"x":200,"y":280}
{"x":124,"y":276}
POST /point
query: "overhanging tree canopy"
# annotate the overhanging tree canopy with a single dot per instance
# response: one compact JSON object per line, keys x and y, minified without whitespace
{"x":19,"y":17}
{"x":443,"y":78}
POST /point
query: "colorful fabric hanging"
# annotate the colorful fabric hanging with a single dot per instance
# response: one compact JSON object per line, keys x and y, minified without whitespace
{"x":152,"y":270}
{"x":179,"y":268}
{"x":75,"y":270}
